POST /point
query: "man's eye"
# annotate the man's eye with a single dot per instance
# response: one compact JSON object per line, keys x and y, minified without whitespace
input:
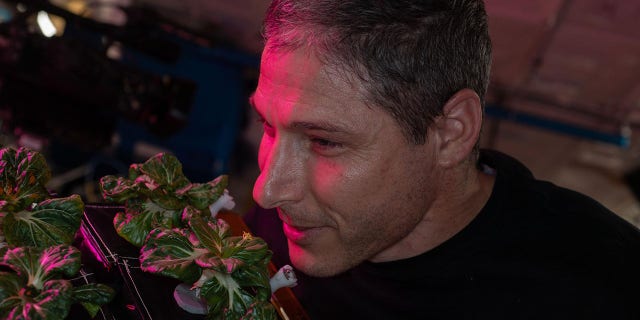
{"x":326,"y":148}
{"x":325,"y":144}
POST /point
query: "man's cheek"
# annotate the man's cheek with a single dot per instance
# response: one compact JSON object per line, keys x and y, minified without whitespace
{"x":328,"y":176}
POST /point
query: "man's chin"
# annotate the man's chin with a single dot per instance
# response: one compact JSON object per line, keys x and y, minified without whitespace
{"x":314,"y":265}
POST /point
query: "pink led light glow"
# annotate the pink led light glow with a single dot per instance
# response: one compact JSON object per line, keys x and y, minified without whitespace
{"x":93,"y":247}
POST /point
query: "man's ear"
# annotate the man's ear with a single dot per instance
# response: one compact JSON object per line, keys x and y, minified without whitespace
{"x":458,"y":128}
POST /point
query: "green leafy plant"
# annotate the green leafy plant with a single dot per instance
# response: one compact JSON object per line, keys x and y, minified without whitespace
{"x":38,"y":289}
{"x":155,"y":195}
{"x":173,"y":222}
{"x":230,"y":272}
{"x":35,"y":248}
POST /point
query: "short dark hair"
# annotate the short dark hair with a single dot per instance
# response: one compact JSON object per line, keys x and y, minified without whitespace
{"x":410,"y":55}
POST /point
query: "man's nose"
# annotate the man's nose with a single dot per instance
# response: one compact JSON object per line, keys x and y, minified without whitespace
{"x":281,"y":176}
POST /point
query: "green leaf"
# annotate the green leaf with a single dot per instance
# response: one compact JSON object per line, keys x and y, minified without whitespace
{"x":226,"y":254}
{"x":23,"y":176}
{"x":19,"y":301}
{"x":256,"y":277}
{"x":210,"y":233}
{"x":249,"y":249}
{"x":133,"y":226}
{"x":188,"y":213}
{"x":262,"y":310}
{"x":165,"y":170}
{"x":10,"y":285}
{"x":118,"y":189}
{"x":170,"y":253}
{"x":167,"y":200}
{"x":37,"y":266}
{"x":228,"y":299}
{"x":201,"y":196}
{"x":225,"y":296}
{"x":140,"y":217}
{"x":51,"y":222}
{"x":53,"y":302}
{"x":157,"y":178}
{"x":92,"y":296}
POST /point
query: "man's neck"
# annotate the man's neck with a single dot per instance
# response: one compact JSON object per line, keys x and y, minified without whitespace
{"x":456,"y":206}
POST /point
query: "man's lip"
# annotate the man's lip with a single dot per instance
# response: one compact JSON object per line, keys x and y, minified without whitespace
{"x":299,"y":234}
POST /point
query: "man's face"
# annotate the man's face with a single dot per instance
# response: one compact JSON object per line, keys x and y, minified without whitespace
{"x":347,"y":184}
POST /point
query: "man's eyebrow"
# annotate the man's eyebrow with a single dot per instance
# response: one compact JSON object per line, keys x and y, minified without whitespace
{"x":322,"y":126}
{"x":305,"y":125}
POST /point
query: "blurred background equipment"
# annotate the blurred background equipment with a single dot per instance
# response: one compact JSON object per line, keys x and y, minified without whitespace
{"x":96,"y":85}
{"x":565,"y":93}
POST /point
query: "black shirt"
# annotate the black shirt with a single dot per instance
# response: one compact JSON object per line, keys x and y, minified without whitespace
{"x":535,"y":251}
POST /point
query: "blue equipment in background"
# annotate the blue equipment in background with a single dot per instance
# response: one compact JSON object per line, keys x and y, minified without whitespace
{"x":206,"y":143}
